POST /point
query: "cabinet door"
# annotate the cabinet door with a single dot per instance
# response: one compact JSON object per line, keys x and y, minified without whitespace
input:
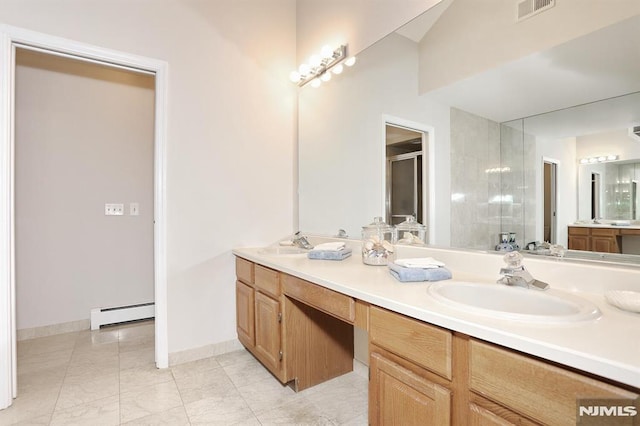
{"x":268,"y":332}
{"x":398,"y":396}
{"x":244,"y":314}
{"x":604,"y":244}
{"x":579,"y":243}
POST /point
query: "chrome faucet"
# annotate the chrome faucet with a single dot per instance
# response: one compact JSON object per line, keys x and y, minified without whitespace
{"x":516,"y":274}
{"x":301,"y":241}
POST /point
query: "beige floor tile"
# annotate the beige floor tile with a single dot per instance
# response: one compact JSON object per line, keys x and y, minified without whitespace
{"x":41,"y":380}
{"x":136,"y":344}
{"x":43,"y":361}
{"x":28,"y":406}
{"x":135,"y":378}
{"x":149,"y":400}
{"x":300,"y":412}
{"x":94,"y":365}
{"x":195,"y":367}
{"x":38,"y":421}
{"x":209,"y":384}
{"x":82,"y":389}
{"x":174,"y":417}
{"x":230,"y":409}
{"x":246,"y":372}
{"x":234,"y":357}
{"x":340,"y":403}
{"x":101,"y":412}
{"x":47,"y":344}
{"x":134,"y":331}
{"x":96,"y":338}
{"x":267,"y":394}
{"x":102,"y":350}
{"x":139,"y":358}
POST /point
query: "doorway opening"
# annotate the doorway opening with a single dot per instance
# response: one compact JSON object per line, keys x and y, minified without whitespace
{"x":595,"y":196}
{"x":14,"y":38}
{"x":550,"y":185}
{"x":405,"y":177}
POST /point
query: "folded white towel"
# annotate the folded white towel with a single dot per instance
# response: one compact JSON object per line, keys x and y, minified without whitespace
{"x":335,"y":246}
{"x":419,"y":262}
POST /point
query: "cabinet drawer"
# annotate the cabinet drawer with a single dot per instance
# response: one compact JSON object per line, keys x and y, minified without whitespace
{"x":244,"y":270}
{"x":329,"y":301}
{"x":578,"y":230}
{"x":630,"y":232}
{"x":423,"y":344}
{"x":267,"y":281}
{"x":531,"y":387}
{"x":603,"y":232}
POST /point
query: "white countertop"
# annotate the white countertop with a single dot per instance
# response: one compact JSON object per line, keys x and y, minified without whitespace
{"x":607,"y":347}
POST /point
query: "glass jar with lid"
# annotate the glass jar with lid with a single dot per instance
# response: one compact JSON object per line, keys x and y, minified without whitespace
{"x":410,"y":232}
{"x":377,"y":243}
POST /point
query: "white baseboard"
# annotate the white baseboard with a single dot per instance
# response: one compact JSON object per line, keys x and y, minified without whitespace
{"x":202,"y":352}
{"x":51,"y":330}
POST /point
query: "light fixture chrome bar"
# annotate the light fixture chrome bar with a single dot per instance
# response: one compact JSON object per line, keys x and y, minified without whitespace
{"x":338,"y":56}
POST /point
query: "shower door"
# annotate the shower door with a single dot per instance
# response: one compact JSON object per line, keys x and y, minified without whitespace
{"x":404,"y":187}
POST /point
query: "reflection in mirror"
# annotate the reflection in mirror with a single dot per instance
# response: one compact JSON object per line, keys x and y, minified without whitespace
{"x":484,"y":169}
{"x":405,"y":194}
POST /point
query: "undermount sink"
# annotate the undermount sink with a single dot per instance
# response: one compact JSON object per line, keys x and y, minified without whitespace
{"x":282,"y":250}
{"x":514,"y":303}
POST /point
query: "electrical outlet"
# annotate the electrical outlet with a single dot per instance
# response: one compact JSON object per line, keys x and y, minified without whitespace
{"x":113,"y":209}
{"x":134,"y":209}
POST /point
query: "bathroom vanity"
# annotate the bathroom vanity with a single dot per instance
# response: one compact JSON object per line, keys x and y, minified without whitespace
{"x":601,"y":238}
{"x":427,"y":361}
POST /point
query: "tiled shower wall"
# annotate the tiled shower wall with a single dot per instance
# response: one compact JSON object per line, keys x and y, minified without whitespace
{"x":492,"y":182}
{"x":475,"y":181}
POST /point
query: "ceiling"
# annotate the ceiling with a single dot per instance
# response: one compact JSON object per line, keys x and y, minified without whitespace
{"x":599,"y":65}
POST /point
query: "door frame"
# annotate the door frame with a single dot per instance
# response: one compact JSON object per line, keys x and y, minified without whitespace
{"x":555,"y":166}
{"x":428,"y":168}
{"x":10,"y":37}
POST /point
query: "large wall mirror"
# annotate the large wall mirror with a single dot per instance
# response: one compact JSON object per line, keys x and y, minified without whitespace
{"x":501,"y":144}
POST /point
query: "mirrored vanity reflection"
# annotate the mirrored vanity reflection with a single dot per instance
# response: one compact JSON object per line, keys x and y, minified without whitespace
{"x":540,"y":146}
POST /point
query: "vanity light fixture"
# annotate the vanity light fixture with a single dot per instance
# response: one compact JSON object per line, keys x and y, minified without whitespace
{"x":599,"y":159}
{"x":320,"y":67}
{"x":498,"y":170}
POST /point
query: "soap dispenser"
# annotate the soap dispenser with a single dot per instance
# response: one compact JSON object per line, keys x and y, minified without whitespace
{"x":377,"y":247}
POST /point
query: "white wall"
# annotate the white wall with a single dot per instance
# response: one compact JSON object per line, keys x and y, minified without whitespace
{"x":474,"y":36}
{"x":230,"y":132}
{"x":84,"y":137}
{"x":358,"y":23}
{"x":342,"y":145}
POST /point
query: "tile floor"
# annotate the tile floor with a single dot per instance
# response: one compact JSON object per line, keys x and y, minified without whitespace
{"x":108,"y":377}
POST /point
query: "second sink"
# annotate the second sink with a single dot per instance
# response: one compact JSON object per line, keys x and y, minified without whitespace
{"x":514,"y":303}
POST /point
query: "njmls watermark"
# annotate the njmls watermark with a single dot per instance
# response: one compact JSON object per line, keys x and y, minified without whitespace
{"x":608,"y":412}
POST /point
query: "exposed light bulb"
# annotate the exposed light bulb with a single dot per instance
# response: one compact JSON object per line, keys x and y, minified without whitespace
{"x":325,"y":76}
{"x":315,"y":83}
{"x":304,"y":69}
{"x":315,"y":61}
{"x":294,"y":76}
{"x":326,"y":52}
{"x":593,"y":160}
{"x":337,"y":69}
{"x":584,"y":161}
{"x":601,"y":159}
{"x":350,"y":61}
{"x":612,"y":157}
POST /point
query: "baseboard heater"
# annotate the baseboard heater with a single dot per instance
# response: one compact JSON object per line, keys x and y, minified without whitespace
{"x":108,"y":316}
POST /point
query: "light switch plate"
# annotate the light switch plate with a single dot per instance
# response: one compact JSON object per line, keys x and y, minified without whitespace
{"x":111,"y":209}
{"x":134,"y":209}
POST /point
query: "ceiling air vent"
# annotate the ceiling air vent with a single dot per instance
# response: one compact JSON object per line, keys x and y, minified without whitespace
{"x":634,"y":132}
{"x":528,"y":8}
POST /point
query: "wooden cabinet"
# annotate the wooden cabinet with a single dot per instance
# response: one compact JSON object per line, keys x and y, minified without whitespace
{"x":603,"y":240}
{"x":302,"y":332}
{"x":531,"y":389}
{"x":410,"y":371}
{"x":259,"y":314}
{"x":245,"y":314}
{"x":403,"y":397}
